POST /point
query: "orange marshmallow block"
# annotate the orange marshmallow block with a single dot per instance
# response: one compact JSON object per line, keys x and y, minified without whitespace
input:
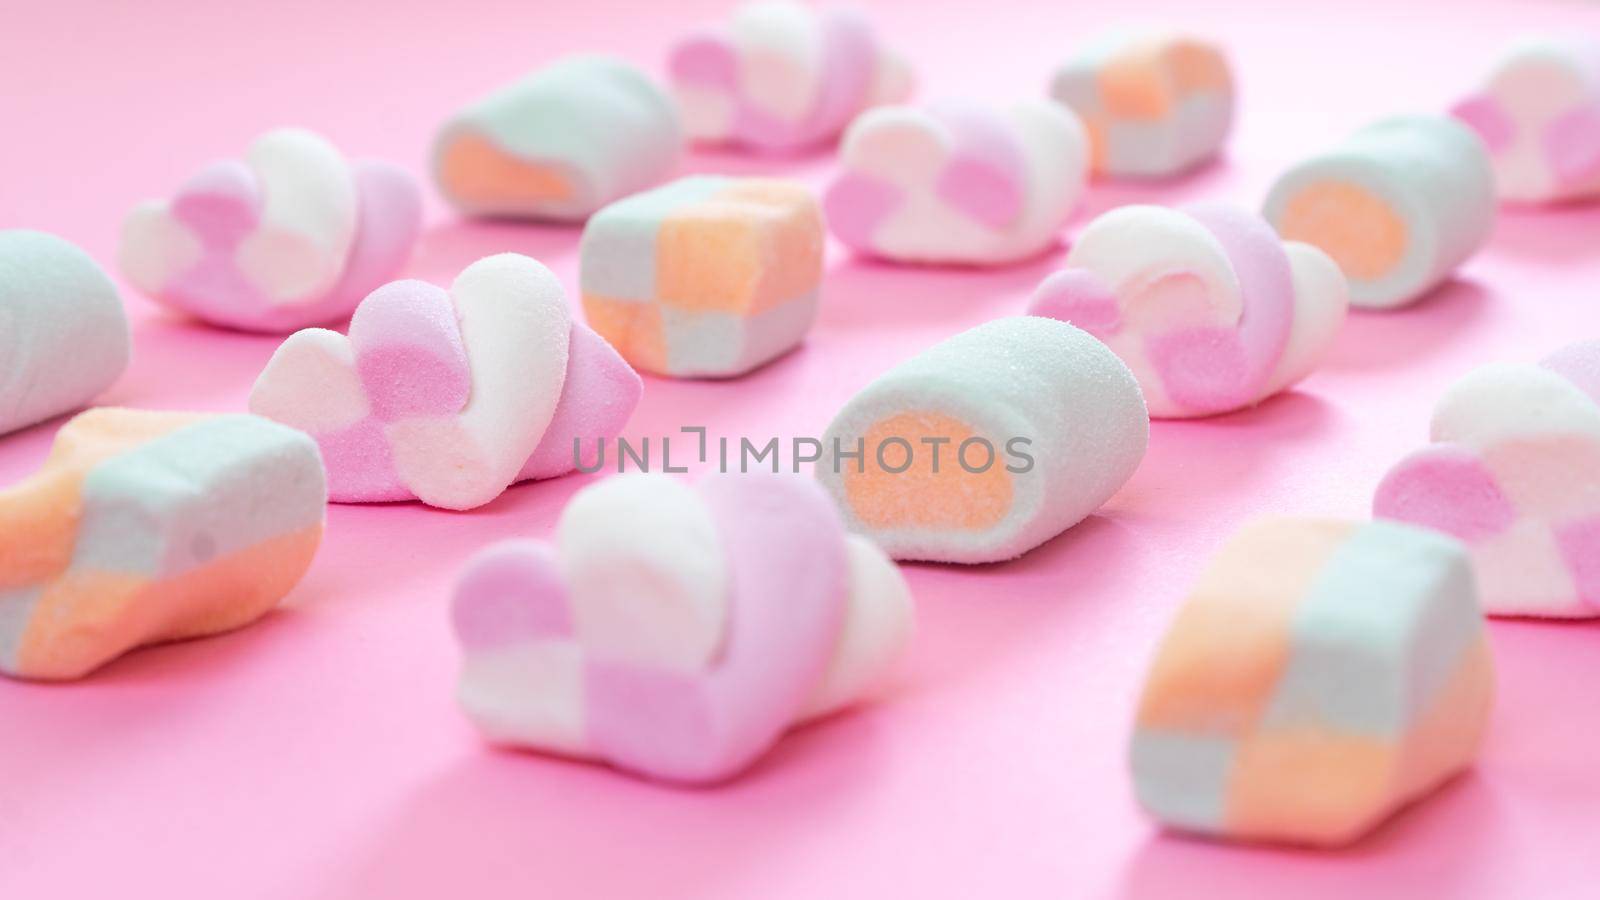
{"x":1320,"y":676}
{"x":143,"y":527}
{"x":705,"y":277}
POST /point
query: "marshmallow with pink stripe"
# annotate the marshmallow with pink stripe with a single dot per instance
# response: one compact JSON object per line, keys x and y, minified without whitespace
{"x":676,"y":631}
{"x":1539,"y":113}
{"x":292,"y":235}
{"x":783,"y":76}
{"x":1513,"y":470}
{"x":449,"y":397}
{"x":1205,"y":304}
{"x":958,"y":183}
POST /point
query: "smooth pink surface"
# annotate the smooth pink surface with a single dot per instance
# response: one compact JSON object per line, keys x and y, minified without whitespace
{"x":320,"y":753}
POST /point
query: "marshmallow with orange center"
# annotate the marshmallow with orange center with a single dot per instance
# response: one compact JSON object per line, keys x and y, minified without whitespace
{"x":1399,"y":205}
{"x":559,"y":144}
{"x":988,"y":444}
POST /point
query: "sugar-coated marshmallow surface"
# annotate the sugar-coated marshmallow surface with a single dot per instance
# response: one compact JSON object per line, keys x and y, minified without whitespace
{"x":988,"y":444}
{"x":450,"y":396}
{"x":143,"y":527}
{"x":559,"y":144}
{"x":290,"y":236}
{"x":1539,"y":113}
{"x":1207,"y":307}
{"x":1154,"y":103}
{"x":783,"y":75}
{"x":705,"y":277}
{"x":1320,"y":676}
{"x":1513,"y":471}
{"x":63,"y":334}
{"x":955,"y":183}
{"x":1398,"y":205}
{"x":676,"y":632}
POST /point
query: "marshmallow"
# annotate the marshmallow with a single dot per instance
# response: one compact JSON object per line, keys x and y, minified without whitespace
{"x":1539,"y":114}
{"x":1320,"y":676}
{"x":560,"y":144}
{"x":293,"y":235}
{"x":63,"y":334}
{"x":957,"y":184}
{"x":450,"y":397}
{"x":1514,"y":472}
{"x":705,"y":277}
{"x":143,"y":527}
{"x":1154,"y":103}
{"x":783,"y":76}
{"x":1398,"y":205}
{"x":676,"y":632}
{"x":1206,"y":306}
{"x":988,"y":444}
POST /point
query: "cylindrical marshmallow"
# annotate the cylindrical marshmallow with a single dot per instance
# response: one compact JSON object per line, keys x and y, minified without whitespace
{"x":560,"y":144}
{"x":1398,"y":205}
{"x":63,"y":334}
{"x":987,"y":444}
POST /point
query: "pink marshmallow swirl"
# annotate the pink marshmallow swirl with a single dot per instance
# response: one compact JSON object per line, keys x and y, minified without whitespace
{"x":1207,"y":307}
{"x":676,"y":632}
{"x":1514,"y":472}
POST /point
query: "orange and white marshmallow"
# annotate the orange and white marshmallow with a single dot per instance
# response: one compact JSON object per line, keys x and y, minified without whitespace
{"x":1207,"y":307}
{"x":706,"y":277}
{"x":1513,"y":471}
{"x":988,"y":444}
{"x":63,"y":334}
{"x":1539,"y":113}
{"x":559,"y":144}
{"x":1320,"y":676}
{"x":1398,"y":205}
{"x":1154,"y":103}
{"x":143,"y":527}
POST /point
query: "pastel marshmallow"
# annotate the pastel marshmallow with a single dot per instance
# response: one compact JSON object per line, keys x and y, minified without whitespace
{"x":705,"y":277}
{"x":676,"y":632}
{"x":1155,"y":103}
{"x":63,"y":334}
{"x":1513,"y":471}
{"x":143,"y":527}
{"x":1538,"y":112}
{"x":783,"y":75}
{"x":1320,"y":676}
{"x":987,"y":444}
{"x":1398,"y":205}
{"x":449,"y":397}
{"x":559,"y":144}
{"x":1207,"y":307}
{"x":292,"y":235}
{"x":956,"y":183}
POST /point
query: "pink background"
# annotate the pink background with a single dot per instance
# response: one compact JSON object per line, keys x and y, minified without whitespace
{"x":319,"y":753}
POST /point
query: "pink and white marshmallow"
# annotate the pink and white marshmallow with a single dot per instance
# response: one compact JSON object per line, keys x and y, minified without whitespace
{"x":783,"y":75}
{"x":449,"y":397}
{"x":1209,"y":309}
{"x":677,"y":632}
{"x":1539,"y":113}
{"x":292,"y":235}
{"x":1513,"y":470}
{"x":955,"y":183}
